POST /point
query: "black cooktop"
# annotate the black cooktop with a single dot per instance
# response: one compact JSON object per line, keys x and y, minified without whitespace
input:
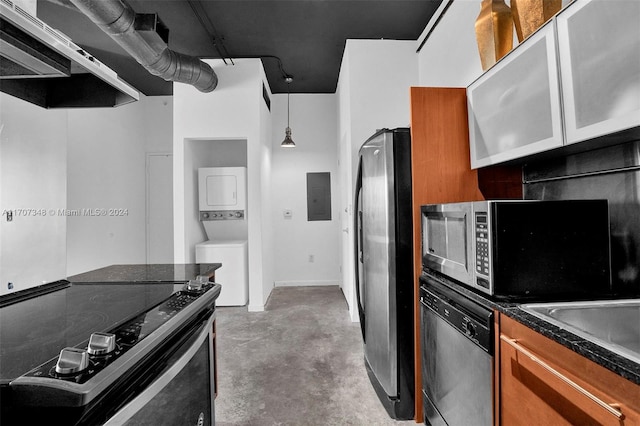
{"x":34,"y":330}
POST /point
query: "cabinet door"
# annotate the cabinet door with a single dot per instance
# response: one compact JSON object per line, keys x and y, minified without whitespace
{"x":533,"y":394}
{"x":544,"y":383}
{"x":514,"y":108}
{"x":599,"y":47}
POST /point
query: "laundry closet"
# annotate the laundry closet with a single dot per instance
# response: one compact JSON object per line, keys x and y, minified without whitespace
{"x":222,"y":201}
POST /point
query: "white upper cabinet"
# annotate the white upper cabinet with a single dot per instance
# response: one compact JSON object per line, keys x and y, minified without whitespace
{"x":599,"y":47}
{"x":575,"y":79}
{"x":514,"y":108}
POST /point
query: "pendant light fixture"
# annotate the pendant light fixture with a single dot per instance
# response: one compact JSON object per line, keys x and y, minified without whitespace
{"x":288,"y":142}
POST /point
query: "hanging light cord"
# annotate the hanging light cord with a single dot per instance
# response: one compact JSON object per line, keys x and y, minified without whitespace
{"x":288,"y":103}
{"x":288,"y":142}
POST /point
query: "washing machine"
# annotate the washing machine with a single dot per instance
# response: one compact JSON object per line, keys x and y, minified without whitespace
{"x":233,"y":276}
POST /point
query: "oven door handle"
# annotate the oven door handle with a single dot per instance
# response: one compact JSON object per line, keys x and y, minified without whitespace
{"x":131,"y":408}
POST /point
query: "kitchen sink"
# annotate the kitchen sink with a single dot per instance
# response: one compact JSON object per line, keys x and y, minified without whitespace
{"x":613,"y":324}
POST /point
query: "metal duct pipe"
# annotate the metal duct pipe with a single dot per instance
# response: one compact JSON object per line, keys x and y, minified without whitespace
{"x":117,"y":19}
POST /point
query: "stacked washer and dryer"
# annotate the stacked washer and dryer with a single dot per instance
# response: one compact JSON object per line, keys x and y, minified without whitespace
{"x":222,"y":202}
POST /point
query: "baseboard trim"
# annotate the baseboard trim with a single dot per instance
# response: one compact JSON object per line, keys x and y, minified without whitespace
{"x":255,"y":308}
{"x":306,"y":283}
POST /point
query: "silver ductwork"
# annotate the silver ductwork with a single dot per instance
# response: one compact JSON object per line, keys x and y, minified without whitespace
{"x":118,"y":20}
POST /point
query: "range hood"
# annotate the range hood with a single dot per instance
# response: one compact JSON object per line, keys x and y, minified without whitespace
{"x":43,"y":66}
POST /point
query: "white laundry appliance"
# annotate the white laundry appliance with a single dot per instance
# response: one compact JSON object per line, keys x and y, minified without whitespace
{"x":222,"y":203}
{"x":234,"y":274}
{"x":222,"y":193}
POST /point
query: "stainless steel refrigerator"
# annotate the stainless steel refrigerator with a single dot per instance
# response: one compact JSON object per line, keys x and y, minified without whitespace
{"x":384,"y":267}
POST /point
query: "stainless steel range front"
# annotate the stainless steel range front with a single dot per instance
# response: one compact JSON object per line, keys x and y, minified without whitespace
{"x":110,"y":353}
{"x":457,"y":357}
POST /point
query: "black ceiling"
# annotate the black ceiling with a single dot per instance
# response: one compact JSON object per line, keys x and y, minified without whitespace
{"x":308,"y":36}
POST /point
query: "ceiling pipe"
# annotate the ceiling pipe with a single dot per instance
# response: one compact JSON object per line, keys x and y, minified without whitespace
{"x":117,"y":19}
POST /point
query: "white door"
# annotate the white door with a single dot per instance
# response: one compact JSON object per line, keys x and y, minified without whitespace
{"x":159,"y":208}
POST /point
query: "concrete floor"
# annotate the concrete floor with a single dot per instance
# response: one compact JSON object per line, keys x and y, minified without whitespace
{"x":298,"y":363}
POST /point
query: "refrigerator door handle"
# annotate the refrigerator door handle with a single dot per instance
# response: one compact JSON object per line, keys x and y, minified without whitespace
{"x":361,"y":252}
{"x":358,"y":243}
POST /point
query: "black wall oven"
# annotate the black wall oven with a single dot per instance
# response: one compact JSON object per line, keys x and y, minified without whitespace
{"x":182,"y":390}
{"x":110,"y":354}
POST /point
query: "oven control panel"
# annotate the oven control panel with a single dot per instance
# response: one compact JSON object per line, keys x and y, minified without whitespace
{"x":470,"y":319}
{"x":79,"y":364}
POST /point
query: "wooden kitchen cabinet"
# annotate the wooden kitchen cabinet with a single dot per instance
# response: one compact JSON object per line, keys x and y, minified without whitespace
{"x":441,"y":173}
{"x":544,"y":383}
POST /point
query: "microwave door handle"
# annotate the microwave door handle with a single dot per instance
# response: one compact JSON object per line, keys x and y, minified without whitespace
{"x":359,"y":256}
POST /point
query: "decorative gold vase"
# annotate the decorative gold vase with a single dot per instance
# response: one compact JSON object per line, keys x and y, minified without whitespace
{"x":529,"y":15}
{"x":494,"y":32}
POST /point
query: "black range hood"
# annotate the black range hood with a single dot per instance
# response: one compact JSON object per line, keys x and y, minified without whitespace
{"x":43,"y":66}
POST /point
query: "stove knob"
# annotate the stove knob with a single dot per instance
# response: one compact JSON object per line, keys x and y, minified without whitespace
{"x":205,"y":215}
{"x":101,"y":343}
{"x":193,"y":286}
{"x":471,"y":329}
{"x":72,"y":361}
{"x":238,"y":214}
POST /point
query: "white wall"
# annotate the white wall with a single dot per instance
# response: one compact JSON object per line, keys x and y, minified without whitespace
{"x":106,"y":170}
{"x":313,"y":121}
{"x":76,"y":161}
{"x":33,"y":184}
{"x":233,"y":111}
{"x":157,"y":122}
{"x":373,"y":93}
{"x":450,"y":58}
{"x":380,"y":75}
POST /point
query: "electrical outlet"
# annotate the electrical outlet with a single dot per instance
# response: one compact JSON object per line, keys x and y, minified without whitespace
{"x":311,"y":258}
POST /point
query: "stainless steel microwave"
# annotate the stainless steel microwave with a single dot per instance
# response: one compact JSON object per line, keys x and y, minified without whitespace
{"x":520,"y":249}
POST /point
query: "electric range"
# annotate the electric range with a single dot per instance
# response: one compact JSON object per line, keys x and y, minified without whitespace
{"x":106,"y":353}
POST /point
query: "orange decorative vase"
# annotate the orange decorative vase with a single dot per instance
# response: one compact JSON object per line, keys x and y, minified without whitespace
{"x":494,"y":31}
{"x":529,"y":15}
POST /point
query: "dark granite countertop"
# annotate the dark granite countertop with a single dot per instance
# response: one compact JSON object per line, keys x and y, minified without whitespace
{"x":157,"y":272}
{"x":624,"y":367}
